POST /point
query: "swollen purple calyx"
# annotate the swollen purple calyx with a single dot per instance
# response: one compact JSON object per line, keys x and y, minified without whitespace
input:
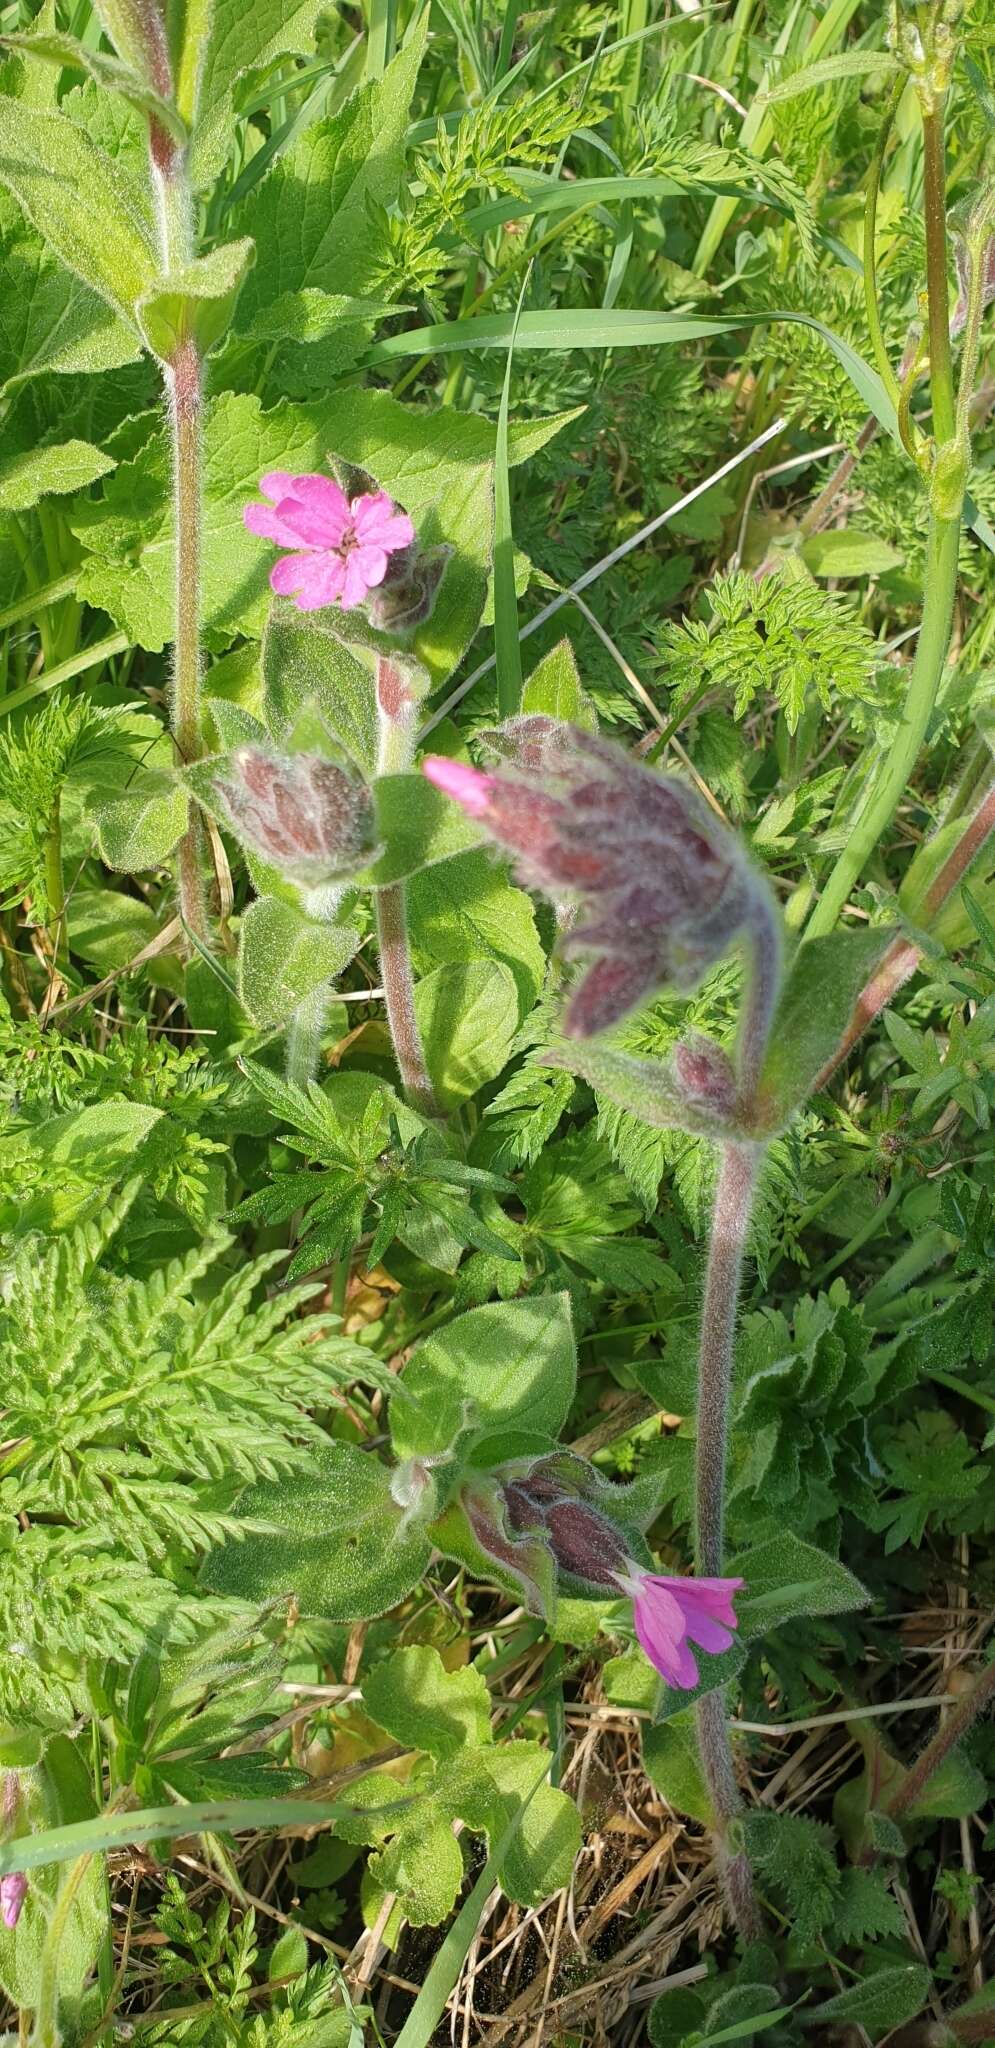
{"x":301,"y":812}
{"x":662,"y":888}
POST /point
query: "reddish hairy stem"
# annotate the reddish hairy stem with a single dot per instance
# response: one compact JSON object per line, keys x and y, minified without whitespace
{"x":396,"y":712}
{"x":902,"y":959}
{"x":184,"y":386}
{"x":738,"y":1170}
{"x":953,"y":1731}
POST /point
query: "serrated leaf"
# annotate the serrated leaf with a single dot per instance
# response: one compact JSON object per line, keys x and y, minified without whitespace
{"x":421,"y":1704}
{"x":786,"y":1577}
{"x":554,"y":689}
{"x":824,"y":979}
{"x":310,"y":316}
{"x":80,"y":201}
{"x":237,"y":36}
{"x":541,"y":1856}
{"x":285,"y":956}
{"x":511,"y":1364}
{"x":66,"y":52}
{"x":338,"y":1543}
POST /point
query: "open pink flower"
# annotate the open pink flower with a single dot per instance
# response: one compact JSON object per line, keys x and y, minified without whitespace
{"x":671,"y":1613}
{"x":13,"y":1891}
{"x":341,"y":548}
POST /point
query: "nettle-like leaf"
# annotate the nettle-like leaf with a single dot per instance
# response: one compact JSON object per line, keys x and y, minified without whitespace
{"x":467,"y":1015}
{"x":222,"y":42}
{"x":284,"y":956}
{"x":508,"y":1366}
{"x":49,"y":320}
{"x":80,"y":202}
{"x":486,"y":1784}
{"x":139,"y":1408}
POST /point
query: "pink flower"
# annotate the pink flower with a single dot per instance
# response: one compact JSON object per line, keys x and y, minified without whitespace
{"x":671,"y":1613}
{"x":13,"y":1890}
{"x":341,"y":547}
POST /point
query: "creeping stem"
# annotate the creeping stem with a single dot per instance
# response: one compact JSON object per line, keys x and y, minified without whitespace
{"x":397,"y":715}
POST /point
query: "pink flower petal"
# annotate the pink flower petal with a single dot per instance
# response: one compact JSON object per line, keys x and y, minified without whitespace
{"x":277,"y":483}
{"x":269,"y":523}
{"x":323,"y":504}
{"x":708,"y":1634}
{"x":465,"y":785}
{"x":312,"y":580}
{"x":668,"y":1653}
{"x":377,"y":523}
{"x":371,"y":562}
{"x":354,"y":580}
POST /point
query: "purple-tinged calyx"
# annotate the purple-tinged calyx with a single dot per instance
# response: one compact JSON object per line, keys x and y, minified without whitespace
{"x":301,"y":812}
{"x":662,"y":888}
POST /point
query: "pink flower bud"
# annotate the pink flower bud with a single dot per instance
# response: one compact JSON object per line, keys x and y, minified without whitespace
{"x":13,"y":1891}
{"x":704,"y":1072}
{"x":299,"y":811}
{"x":662,"y":887}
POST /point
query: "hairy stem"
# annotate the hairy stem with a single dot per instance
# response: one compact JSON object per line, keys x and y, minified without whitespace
{"x":955,"y":1727}
{"x":397,"y":714}
{"x":738,"y":1170}
{"x":184,"y":386}
{"x":304,"y":1037}
{"x":46,"y":2032}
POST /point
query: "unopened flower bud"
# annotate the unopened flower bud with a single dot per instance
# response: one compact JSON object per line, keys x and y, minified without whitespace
{"x":704,"y":1072}
{"x":662,"y":887}
{"x":300,"y":811}
{"x":13,"y":1891}
{"x":585,"y":1544}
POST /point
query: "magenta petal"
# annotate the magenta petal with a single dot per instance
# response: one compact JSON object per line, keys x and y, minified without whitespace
{"x":324,"y":505}
{"x":277,"y":483}
{"x":314,"y":580}
{"x":465,"y":785}
{"x":354,"y":581}
{"x":708,"y":1634}
{"x":378,"y":524}
{"x":371,"y":562}
{"x":667,"y":1652}
{"x":269,"y":523}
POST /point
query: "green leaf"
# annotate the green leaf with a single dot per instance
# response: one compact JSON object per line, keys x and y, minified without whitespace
{"x":671,"y":1763}
{"x":468,"y":1016}
{"x":338,"y":1543}
{"x":57,"y":469}
{"x":197,"y":301}
{"x":310,"y":216}
{"x":222,"y":40}
{"x":49,"y":322}
{"x":416,"y":827}
{"x":509,"y":1365}
{"x":713,"y":1673}
{"x":305,"y":663}
{"x":554,"y":689}
{"x":465,"y":909}
{"x":56,"y":1794}
{"x":786,"y":1577}
{"x":823,"y":981}
{"x":66,"y":52}
{"x":422,"y":1866}
{"x":80,"y":201}
{"x":877,"y":64}
{"x":285,"y":956}
{"x":423,"y":1705}
{"x":541,"y":1856}
{"x":880,"y":2003}
{"x":140,"y":830}
{"x":311,"y":315}
{"x":846,"y":551}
